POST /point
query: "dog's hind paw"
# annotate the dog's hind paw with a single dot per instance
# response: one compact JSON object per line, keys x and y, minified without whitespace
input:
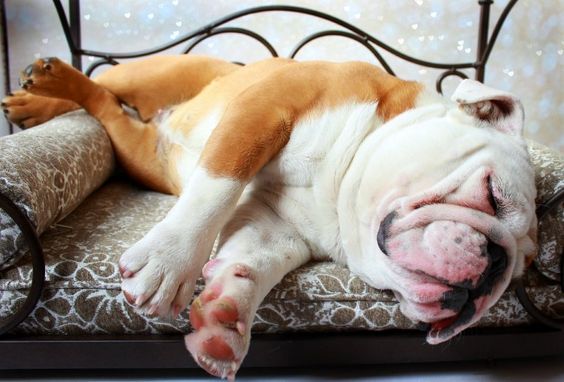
{"x":221,"y":317}
{"x":28,"y":110}
{"x":51,"y":77}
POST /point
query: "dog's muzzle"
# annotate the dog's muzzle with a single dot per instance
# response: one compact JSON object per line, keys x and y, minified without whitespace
{"x":463,"y":298}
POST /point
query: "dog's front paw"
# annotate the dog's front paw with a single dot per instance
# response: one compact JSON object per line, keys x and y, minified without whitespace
{"x":222,"y":316}
{"x":157,"y":274}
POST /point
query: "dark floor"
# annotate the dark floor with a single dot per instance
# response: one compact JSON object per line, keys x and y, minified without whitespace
{"x":544,"y":369}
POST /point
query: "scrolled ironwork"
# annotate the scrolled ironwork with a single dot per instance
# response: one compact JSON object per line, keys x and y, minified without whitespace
{"x":483,"y":59}
{"x":37,"y":261}
{"x":484,"y":49}
{"x":361,"y":39}
{"x":242,"y":31}
{"x":448,"y":73}
{"x":95,"y":65}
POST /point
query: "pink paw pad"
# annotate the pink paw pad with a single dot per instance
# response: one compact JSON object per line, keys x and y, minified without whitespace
{"x":213,"y":353}
{"x":220,"y":340}
{"x":216,"y":347}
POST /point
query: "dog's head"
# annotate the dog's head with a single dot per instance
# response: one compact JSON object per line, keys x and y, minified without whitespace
{"x":445,"y":208}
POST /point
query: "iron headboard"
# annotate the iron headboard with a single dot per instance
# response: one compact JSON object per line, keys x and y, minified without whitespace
{"x":72,"y":31}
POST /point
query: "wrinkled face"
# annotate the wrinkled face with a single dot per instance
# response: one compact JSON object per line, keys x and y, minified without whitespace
{"x":446,"y":207}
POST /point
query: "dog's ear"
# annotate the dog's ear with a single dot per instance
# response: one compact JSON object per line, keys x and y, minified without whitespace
{"x":496,"y":108}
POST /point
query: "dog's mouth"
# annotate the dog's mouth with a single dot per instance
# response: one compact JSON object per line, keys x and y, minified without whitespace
{"x":477,"y":301}
{"x":467,"y":270}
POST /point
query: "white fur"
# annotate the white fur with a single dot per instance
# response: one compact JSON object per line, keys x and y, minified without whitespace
{"x":174,"y":251}
{"x":191,"y":143}
{"x":305,"y":178}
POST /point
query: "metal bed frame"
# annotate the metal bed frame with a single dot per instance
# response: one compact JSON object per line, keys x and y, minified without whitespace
{"x":301,"y":349}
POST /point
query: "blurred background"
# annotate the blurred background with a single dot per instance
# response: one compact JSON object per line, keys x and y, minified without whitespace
{"x":527,"y":59}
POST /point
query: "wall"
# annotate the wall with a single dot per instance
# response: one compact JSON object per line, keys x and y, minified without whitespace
{"x":527,"y":59}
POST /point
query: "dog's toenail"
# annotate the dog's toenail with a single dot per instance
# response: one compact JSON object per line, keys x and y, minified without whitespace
{"x":241,"y":328}
{"x":124,"y":272}
{"x":129,"y":298}
{"x":140,"y":300}
{"x":28,"y":70}
{"x":196,"y":314}
{"x":176,"y":310}
{"x":152,"y":310}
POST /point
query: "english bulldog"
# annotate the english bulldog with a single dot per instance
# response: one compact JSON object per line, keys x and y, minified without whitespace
{"x":292,"y":161}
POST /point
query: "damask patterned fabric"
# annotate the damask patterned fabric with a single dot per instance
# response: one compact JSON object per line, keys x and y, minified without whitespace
{"x":48,"y":171}
{"x":549,"y":177}
{"x":82,"y":293}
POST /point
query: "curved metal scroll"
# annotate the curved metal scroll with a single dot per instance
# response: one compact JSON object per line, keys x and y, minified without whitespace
{"x":242,"y":31}
{"x":520,"y":290}
{"x":38,"y":264}
{"x":349,"y":35}
{"x":95,"y":65}
{"x":448,"y":73}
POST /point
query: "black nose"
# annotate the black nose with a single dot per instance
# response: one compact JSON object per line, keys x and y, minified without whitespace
{"x":384,"y":231}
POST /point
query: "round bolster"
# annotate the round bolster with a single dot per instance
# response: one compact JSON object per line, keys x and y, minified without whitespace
{"x":47,"y":171}
{"x":549,"y":179}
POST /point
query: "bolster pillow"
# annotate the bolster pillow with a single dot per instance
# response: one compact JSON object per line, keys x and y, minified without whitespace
{"x":47,"y":171}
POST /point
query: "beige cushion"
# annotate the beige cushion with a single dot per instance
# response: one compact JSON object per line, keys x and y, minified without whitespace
{"x":82,"y":294}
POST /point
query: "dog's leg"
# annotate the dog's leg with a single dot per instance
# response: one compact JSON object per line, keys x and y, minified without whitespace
{"x":160,"y":270}
{"x":147,"y":85}
{"x":158,"y":82}
{"x":27,"y":110}
{"x":134,"y":142}
{"x":258,"y":249}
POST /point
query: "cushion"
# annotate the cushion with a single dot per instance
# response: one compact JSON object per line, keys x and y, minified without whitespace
{"x":82,"y":293}
{"x":49,"y":170}
{"x":549,"y":178}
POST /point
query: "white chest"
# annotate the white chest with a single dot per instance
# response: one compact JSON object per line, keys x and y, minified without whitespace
{"x":302,"y":182}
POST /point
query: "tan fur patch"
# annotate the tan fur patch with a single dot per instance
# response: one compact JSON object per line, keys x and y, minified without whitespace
{"x":261,"y":115}
{"x":159,"y":82}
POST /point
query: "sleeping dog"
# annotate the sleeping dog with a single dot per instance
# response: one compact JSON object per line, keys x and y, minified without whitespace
{"x":292,"y":161}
